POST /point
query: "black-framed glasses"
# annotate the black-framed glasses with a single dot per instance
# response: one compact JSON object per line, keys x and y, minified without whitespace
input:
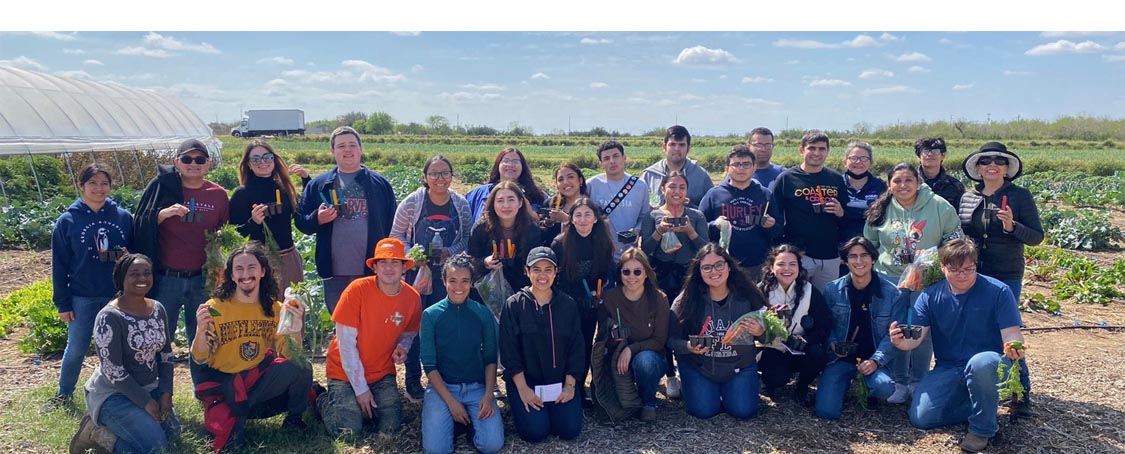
{"x":963,"y":271}
{"x":268,"y":157}
{"x":442,"y":175}
{"x":988,"y":160}
{"x":859,"y":159}
{"x":718,"y":267}
{"x":741,"y":165}
{"x":931,"y":151}
{"x":636,"y":271}
{"x":198,"y":159}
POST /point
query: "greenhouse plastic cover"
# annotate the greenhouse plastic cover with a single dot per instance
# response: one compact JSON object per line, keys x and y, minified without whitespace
{"x":43,"y":113}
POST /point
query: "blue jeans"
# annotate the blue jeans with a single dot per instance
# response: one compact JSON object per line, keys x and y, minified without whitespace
{"x":562,"y":420}
{"x":704,"y":398}
{"x":437,"y":422}
{"x":647,"y":367}
{"x":834,"y":384}
{"x":135,"y":429}
{"x":1016,"y":285}
{"x":911,"y":366}
{"x":333,"y":288}
{"x":176,"y":294}
{"x":953,"y":395}
{"x":79,"y":333}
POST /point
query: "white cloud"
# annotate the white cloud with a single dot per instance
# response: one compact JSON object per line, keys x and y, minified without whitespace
{"x":315,"y":76}
{"x":370,"y":72}
{"x":793,"y":62}
{"x":829,"y":83}
{"x":889,"y":37}
{"x":892,"y":90}
{"x":1119,"y":46}
{"x":1063,"y":46}
{"x":722,"y":77}
{"x":874,"y":73}
{"x":918,"y":69}
{"x":945,"y":41}
{"x":699,"y":81}
{"x":857,"y":42}
{"x":1113,"y":58}
{"x":599,"y":85}
{"x":1062,"y":34}
{"x":760,"y":102}
{"x":203,"y":92}
{"x":170,"y":43}
{"x":23,"y":62}
{"x":49,"y":35}
{"x":703,"y":55}
{"x":649,"y":38}
{"x":140,"y":51}
{"x":484,"y":87}
{"x":1010,"y":73}
{"x":417,"y":69}
{"x":756,"y":80}
{"x":93,"y":62}
{"x":913,"y":57}
{"x":73,"y":51}
{"x":540,"y":76}
{"x":594,"y":42}
{"x":406,"y":33}
{"x":464,"y":97}
{"x":963,"y":87}
{"x":276,"y":60}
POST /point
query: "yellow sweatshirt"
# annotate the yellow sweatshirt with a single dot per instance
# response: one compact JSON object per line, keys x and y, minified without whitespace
{"x":240,"y":336}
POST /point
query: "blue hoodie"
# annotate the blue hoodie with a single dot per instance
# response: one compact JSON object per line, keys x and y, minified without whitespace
{"x":76,"y":269}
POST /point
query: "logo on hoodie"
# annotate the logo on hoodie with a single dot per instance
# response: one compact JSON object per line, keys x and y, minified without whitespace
{"x":101,"y":236}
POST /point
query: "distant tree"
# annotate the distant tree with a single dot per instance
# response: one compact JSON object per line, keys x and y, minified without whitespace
{"x":656,"y":132}
{"x":222,"y":128}
{"x":516,"y":129}
{"x":411,"y":128}
{"x":350,"y":118}
{"x":480,"y":131}
{"x":380,"y":123}
{"x":439,"y":125}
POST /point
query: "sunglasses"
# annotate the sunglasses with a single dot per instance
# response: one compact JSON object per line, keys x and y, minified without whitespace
{"x":198,"y":159}
{"x":987,"y":160}
{"x":636,"y":271}
{"x":260,"y":159}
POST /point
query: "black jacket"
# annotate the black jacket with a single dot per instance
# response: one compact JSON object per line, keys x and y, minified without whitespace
{"x":545,"y":344}
{"x":162,"y":192}
{"x":947,"y":187}
{"x":1001,"y":253}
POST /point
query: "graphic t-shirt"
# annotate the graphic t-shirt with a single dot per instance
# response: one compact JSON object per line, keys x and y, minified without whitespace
{"x":379,"y":320}
{"x":182,"y":244}
{"x":801,"y":196}
{"x":349,"y":230}
{"x":240,"y":336}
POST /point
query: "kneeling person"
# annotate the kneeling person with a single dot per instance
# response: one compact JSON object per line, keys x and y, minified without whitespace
{"x":971,"y":318}
{"x":382,"y":314}
{"x":244,"y":362}
{"x":458,"y":352}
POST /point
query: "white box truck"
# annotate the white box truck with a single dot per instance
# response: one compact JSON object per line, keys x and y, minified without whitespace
{"x":270,"y":122}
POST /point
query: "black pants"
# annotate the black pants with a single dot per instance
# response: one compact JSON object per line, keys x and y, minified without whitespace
{"x":589,"y":326}
{"x":283,"y":388}
{"x":777,"y":367}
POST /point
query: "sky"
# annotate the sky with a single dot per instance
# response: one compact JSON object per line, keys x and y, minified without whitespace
{"x":715,"y":83}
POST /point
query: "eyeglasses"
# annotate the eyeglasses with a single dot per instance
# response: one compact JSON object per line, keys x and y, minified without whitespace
{"x":862,"y":255}
{"x":963,"y":271}
{"x":442,"y":175}
{"x":512,"y":162}
{"x":931,"y":151}
{"x":859,"y":159}
{"x":718,"y":267}
{"x":198,"y":159}
{"x":636,"y":271}
{"x":741,"y":165}
{"x":761,"y":145}
{"x":268,"y":157}
{"x":987,"y":160}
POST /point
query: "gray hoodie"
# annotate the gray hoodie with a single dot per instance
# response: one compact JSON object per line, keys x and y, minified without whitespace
{"x":698,"y":181}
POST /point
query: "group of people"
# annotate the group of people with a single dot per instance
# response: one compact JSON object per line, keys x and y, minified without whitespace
{"x":618,"y":280}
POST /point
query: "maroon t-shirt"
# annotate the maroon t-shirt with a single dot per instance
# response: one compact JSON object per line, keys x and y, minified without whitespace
{"x":182,"y":243}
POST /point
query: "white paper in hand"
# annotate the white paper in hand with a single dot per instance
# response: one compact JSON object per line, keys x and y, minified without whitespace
{"x":549,"y":393}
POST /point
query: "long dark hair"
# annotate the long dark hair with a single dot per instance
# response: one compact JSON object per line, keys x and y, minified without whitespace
{"x":280,"y":174}
{"x":695,"y":295}
{"x":769,"y":281}
{"x":877,"y":213}
{"x":582,"y":191}
{"x":268,"y":291}
{"x":526,"y":181}
{"x":121,"y":268}
{"x":651,"y":288}
{"x":524,"y":217}
{"x":599,"y":235}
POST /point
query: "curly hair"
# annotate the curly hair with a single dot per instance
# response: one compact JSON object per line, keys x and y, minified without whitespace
{"x":268,"y":290}
{"x":695,"y":295}
{"x":769,"y":281}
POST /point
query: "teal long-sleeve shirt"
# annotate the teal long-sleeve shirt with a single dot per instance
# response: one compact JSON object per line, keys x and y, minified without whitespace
{"x":458,"y":340}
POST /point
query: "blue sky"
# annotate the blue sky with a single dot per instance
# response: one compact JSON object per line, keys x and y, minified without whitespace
{"x":711,"y":82}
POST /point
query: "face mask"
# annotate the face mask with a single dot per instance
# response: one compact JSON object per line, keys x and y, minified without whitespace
{"x":858,"y":177}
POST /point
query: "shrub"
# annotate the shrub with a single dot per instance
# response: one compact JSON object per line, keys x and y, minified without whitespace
{"x":32,"y":305}
{"x":29,"y":224}
{"x":227,"y":177}
{"x":1089,"y":231}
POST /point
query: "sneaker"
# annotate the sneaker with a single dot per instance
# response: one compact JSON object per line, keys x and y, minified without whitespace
{"x":1023,"y":408}
{"x":294,"y":423}
{"x":648,"y":414}
{"x":57,"y":402}
{"x":85,"y":439}
{"x":974,"y":443}
{"x":672,"y":387}
{"x":900,"y":396}
{"x":803,"y":396}
{"x":414,"y":391}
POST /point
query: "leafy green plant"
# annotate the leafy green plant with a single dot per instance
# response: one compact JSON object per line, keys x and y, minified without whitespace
{"x":1040,"y":302}
{"x":1089,"y":230}
{"x":14,"y":307}
{"x":32,"y":306}
{"x":1088,"y":283}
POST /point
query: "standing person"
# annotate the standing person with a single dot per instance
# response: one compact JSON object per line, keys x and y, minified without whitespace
{"x":632,"y":330}
{"x":247,"y":370}
{"x":570,"y":185}
{"x":505,"y":233}
{"x":458,"y":343}
{"x":972,"y":318}
{"x":510,"y":165}
{"x":716,"y":376}
{"x":746,"y":204}
{"x":268,"y":198}
{"x":377,"y":321}
{"x":585,"y":253}
{"x":812,"y":198}
{"x":863,"y":305}
{"x":805,"y":314}
{"x":88,"y":238}
{"x":437,"y":219}
{"x":902,"y":222}
{"x":175,"y":212}
{"x":677,"y":145}
{"x":349,"y":209}
{"x":623,"y":197}
{"x":760,"y":141}
{"x":129,"y":395}
{"x":931,"y":155}
{"x":863,"y":188}
{"x":1001,"y":218}
{"x":541,"y":348}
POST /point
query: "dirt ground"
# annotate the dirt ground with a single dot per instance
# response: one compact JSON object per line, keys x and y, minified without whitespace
{"x":1076,"y":384}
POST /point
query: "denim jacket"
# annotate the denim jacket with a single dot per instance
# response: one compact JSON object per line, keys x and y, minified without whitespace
{"x":886,"y":306}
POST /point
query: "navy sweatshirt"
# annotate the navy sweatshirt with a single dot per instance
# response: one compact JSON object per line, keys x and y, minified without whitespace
{"x":76,"y":268}
{"x":749,"y":241}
